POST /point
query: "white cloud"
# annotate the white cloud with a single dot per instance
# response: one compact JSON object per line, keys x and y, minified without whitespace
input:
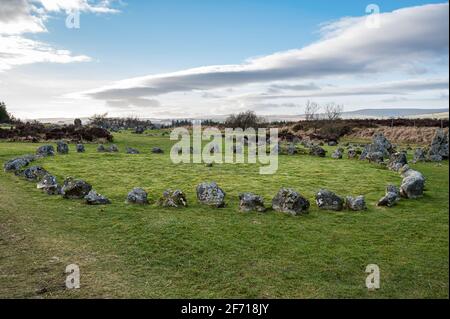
{"x":21,"y":17}
{"x":407,"y":39}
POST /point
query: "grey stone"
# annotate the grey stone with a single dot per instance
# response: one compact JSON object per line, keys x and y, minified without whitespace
{"x":172,"y":198}
{"x":397,"y":161}
{"x":391,"y":197}
{"x":157,"y":150}
{"x":75,"y":188}
{"x":113,"y":149}
{"x":137,"y":196}
{"x":250,"y":202}
{"x":413,"y":183}
{"x":292,"y":149}
{"x":131,"y":150}
{"x":211,"y":194}
{"x":420,"y":155}
{"x":332,"y":143}
{"x":80,"y":148}
{"x":101,"y":148}
{"x":352,"y":154}
{"x":439,"y":146}
{"x":289,"y":201}
{"x":94,"y":198}
{"x":380,"y":144}
{"x":317,"y":151}
{"x":356,"y":203}
{"x":46,"y":150}
{"x":338,"y":153}
{"x":62,"y":147}
{"x":49,"y":184}
{"x":328,"y":200}
{"x":34,"y":173}
{"x":18,"y":163}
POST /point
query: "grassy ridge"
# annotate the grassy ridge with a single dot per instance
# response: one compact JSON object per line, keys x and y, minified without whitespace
{"x":130,"y":251}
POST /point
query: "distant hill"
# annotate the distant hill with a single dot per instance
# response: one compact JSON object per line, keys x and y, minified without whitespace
{"x":363,"y":113}
{"x":388,"y":113}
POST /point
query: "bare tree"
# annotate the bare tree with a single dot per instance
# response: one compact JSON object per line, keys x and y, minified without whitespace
{"x":333,"y":111}
{"x":311,"y":110}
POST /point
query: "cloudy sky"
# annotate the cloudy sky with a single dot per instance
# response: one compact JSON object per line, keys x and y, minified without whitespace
{"x":199,"y":58}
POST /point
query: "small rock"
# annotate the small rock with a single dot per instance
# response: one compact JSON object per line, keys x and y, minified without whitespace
{"x":251,"y":202}
{"x":49,"y":184}
{"x":317,"y":151}
{"x":391,"y":197}
{"x":289,"y":201}
{"x":113,"y":149}
{"x":338,"y":153}
{"x":332,"y":143}
{"x":137,"y":196}
{"x":75,"y":188}
{"x":62,"y":147}
{"x":101,"y":148}
{"x":174,"y":198}
{"x":329,"y":201}
{"x":356,"y":203}
{"x":93,"y":198}
{"x":211,"y":194}
{"x":157,"y":150}
{"x":46,"y":150}
{"x":80,"y":148}
{"x":352,"y":154}
{"x":131,"y":150}
{"x":34,"y":173}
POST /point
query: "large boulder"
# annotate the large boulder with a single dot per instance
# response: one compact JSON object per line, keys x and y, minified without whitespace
{"x":46,"y":150}
{"x":62,"y":147}
{"x":397,"y":161}
{"x":49,"y":184}
{"x":250,"y":202}
{"x":75,"y":188}
{"x":379,"y":145}
{"x":173,"y":198}
{"x":34,"y":173}
{"x":18,"y":163}
{"x":211,"y":194}
{"x":356,"y":203}
{"x":439,"y":147}
{"x":289,"y":201}
{"x":413,"y":183}
{"x":391,"y":197}
{"x":329,"y":201}
{"x":94,"y":198}
{"x":420,"y":155}
{"x":137,"y":196}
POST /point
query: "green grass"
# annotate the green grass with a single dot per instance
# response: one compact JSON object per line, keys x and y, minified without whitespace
{"x":199,"y":252}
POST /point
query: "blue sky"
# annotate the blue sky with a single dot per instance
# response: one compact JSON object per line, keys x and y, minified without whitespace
{"x":148,"y":38}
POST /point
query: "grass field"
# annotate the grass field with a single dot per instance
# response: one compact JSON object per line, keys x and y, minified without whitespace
{"x":199,"y":252}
